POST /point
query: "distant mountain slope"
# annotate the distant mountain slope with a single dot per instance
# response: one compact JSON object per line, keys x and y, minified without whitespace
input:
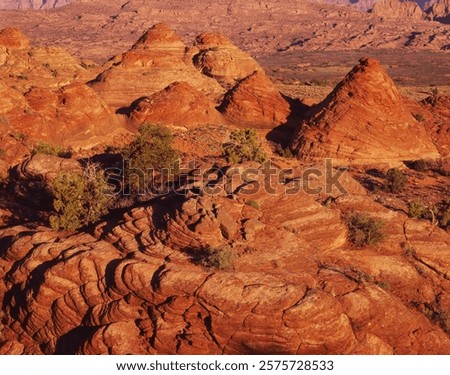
{"x":33,"y":4}
{"x":365,"y":5}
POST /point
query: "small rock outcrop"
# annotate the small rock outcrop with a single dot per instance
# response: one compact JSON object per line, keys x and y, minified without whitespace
{"x":33,"y":177}
{"x":222,"y":60}
{"x":180,"y":105}
{"x":397,"y":9}
{"x":255,"y":102}
{"x":12,"y":38}
{"x":364,"y":120}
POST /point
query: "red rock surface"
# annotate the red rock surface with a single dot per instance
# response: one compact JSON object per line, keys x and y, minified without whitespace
{"x":158,"y":59}
{"x":255,"y":102}
{"x":13,"y":38}
{"x":134,"y":288}
{"x":179,"y":105}
{"x":364,"y":120}
{"x":438,"y":107}
{"x":222,"y":60}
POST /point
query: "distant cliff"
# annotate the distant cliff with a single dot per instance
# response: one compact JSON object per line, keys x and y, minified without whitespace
{"x":33,"y":4}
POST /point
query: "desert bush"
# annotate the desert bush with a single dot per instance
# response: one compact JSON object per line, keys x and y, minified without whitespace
{"x":364,"y":230}
{"x":419,"y":117}
{"x":284,"y":152}
{"x":417,"y":209}
{"x":420,"y":165}
{"x":253,"y":203}
{"x":438,"y":214}
{"x":442,"y":211}
{"x":220,"y":258}
{"x":244,"y":145}
{"x":48,"y":149}
{"x":20,"y":137}
{"x":151,"y":149}
{"x":2,"y":153}
{"x":79,"y":199}
{"x":396,"y":180}
{"x":384,"y":285}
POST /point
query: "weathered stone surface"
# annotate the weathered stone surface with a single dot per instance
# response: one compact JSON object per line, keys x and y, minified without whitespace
{"x":156,"y":60}
{"x":222,"y":60}
{"x":397,"y":9}
{"x":179,"y":105}
{"x":136,"y":287}
{"x":364,"y":120}
{"x":255,"y":102}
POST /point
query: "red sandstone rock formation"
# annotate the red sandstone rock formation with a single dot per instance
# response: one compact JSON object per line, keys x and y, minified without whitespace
{"x":364,"y":120}
{"x":179,"y":105}
{"x":255,"y":102}
{"x":438,"y":107}
{"x":158,"y":59}
{"x":135,"y":289}
{"x":13,"y":38}
{"x":222,"y":60}
{"x":33,"y":4}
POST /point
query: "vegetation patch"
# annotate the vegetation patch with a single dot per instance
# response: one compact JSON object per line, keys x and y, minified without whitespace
{"x":438,"y":214}
{"x":79,"y":199}
{"x":219,"y":258}
{"x":396,"y":180}
{"x":364,"y":230}
{"x":253,"y":203}
{"x":244,"y":145}
{"x":151,"y":150}
{"x":48,"y":149}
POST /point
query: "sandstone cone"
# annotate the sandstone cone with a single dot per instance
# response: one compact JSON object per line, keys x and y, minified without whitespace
{"x":222,"y":60}
{"x":72,"y":116}
{"x":179,"y":104}
{"x":157,"y":59}
{"x":255,"y":102}
{"x":363,"y":121}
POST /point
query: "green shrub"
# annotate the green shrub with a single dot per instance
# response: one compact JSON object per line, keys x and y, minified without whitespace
{"x":253,"y":203}
{"x":219,"y":258}
{"x":384,"y":285}
{"x":420,"y":165}
{"x":442,"y":211}
{"x":79,"y":199}
{"x":244,"y":145}
{"x":364,"y":230}
{"x":151,"y":149}
{"x":2,"y":153}
{"x":48,"y":149}
{"x":396,"y":180}
{"x":284,"y":152}
{"x":21,"y":137}
{"x":419,"y":117}
{"x":417,"y":209}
